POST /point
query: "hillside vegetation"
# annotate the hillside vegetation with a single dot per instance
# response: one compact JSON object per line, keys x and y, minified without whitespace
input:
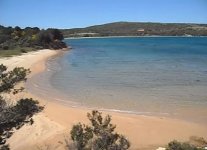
{"x":138,"y":29}
{"x":17,"y":40}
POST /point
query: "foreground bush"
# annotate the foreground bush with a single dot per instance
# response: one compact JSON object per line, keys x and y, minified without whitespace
{"x":175,"y":145}
{"x":99,"y":135}
{"x":5,"y":147}
{"x":14,"y":115}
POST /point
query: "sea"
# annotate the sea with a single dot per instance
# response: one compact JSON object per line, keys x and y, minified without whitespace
{"x":163,"y":76}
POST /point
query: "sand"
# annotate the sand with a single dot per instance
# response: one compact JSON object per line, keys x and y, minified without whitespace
{"x":52,"y":126}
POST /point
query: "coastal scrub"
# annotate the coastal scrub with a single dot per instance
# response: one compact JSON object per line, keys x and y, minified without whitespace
{"x":14,"y":115}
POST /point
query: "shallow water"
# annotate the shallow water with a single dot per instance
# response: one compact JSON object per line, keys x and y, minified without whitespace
{"x":145,"y":75}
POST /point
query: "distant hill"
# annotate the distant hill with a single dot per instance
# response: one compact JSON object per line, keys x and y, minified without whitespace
{"x":138,"y":29}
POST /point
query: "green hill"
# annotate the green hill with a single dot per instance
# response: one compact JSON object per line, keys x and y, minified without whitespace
{"x":138,"y":29}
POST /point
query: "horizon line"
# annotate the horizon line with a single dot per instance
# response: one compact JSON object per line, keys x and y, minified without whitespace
{"x":193,"y":23}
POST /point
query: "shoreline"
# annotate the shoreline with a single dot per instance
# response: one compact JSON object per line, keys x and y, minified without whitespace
{"x":184,"y":116}
{"x":57,"y":119}
{"x":147,"y":36}
{"x":45,"y":87}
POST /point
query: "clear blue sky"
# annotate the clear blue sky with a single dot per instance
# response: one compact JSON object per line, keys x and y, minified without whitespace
{"x":81,"y":13}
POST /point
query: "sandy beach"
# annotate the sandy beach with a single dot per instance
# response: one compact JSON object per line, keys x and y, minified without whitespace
{"x":52,"y":126}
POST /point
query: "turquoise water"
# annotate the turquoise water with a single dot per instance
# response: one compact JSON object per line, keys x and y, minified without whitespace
{"x":144,"y":75}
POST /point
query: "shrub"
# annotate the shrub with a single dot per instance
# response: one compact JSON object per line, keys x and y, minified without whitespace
{"x":14,"y":116}
{"x":175,"y":145}
{"x":23,"y":51}
{"x":17,"y":115}
{"x":4,"y":147}
{"x":5,"y":47}
{"x":99,"y":135}
{"x":81,"y":134}
{"x":9,"y":79}
{"x":27,"y":107}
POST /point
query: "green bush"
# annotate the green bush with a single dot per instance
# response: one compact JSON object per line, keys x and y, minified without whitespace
{"x":5,"y":47}
{"x":4,"y":147}
{"x":81,"y":134}
{"x":23,"y":51}
{"x":99,"y":135}
{"x":14,"y":116}
{"x":175,"y":145}
{"x":27,"y":107}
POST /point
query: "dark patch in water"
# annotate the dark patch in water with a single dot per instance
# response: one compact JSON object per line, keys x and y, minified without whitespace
{"x":205,"y":72}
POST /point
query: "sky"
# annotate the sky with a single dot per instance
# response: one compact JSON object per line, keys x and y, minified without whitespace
{"x":82,"y":13}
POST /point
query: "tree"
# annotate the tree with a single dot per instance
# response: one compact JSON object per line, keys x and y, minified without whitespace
{"x":51,"y":38}
{"x":57,"y":35}
{"x":17,"y":28}
{"x":4,"y":147}
{"x":4,"y":38}
{"x":31,"y":31}
{"x":99,"y":135}
{"x":45,"y":38}
{"x":17,"y":32}
{"x":11,"y":38}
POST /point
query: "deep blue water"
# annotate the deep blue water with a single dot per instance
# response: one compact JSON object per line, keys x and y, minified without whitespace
{"x":143,"y":74}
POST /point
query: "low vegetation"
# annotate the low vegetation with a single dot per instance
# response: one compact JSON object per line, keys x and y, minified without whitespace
{"x":99,"y":135}
{"x":17,"y":40}
{"x":14,"y":115}
{"x":175,"y":145}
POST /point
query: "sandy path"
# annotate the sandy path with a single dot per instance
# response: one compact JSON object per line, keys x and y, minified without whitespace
{"x":53,"y":125}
